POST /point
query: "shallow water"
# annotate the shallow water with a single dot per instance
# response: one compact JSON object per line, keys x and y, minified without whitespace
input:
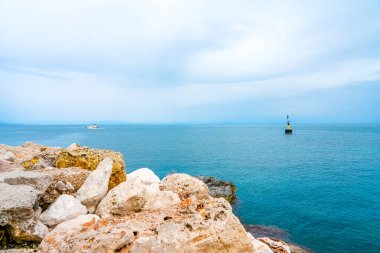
{"x":321,"y":184}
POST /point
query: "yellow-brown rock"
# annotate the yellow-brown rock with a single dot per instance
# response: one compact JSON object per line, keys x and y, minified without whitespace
{"x":89,"y":159}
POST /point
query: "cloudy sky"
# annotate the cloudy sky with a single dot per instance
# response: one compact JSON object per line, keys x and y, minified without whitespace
{"x":73,"y":61}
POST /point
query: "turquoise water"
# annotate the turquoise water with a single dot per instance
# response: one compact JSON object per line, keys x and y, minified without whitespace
{"x":321,"y":184}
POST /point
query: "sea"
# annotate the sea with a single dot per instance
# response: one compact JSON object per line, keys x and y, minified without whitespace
{"x":320,"y":185}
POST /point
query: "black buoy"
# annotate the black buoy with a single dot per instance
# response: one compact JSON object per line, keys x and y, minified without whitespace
{"x":288,"y":129}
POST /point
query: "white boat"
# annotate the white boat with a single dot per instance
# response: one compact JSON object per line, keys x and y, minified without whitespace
{"x":92,"y":126}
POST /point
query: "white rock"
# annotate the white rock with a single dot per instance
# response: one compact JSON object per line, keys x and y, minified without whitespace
{"x":145,"y":175}
{"x":6,"y":155}
{"x":73,"y":146}
{"x":77,"y":221}
{"x":123,"y":200}
{"x":65,"y":207}
{"x":161,"y":199}
{"x":185,"y":186}
{"x":258,"y":246}
{"x":96,"y":185}
{"x":143,"y":244}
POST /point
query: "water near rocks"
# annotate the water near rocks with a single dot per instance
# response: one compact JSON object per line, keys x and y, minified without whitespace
{"x":321,"y":184}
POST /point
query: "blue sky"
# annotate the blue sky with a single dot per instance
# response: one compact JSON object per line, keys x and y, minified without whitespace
{"x":189,"y":61}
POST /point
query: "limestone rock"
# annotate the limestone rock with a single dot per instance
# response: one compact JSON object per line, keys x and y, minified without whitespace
{"x":125,"y":199}
{"x":145,"y":175}
{"x":6,"y":155}
{"x":17,"y":202}
{"x":33,"y":156}
{"x":86,"y":234}
{"x":185,"y":186}
{"x":89,"y":159}
{"x":72,"y":147}
{"x":38,"y":181}
{"x":19,"y":210}
{"x":212,"y":229}
{"x":96,"y":185}
{"x":30,"y":230}
{"x":161,"y":199}
{"x":219,"y":189}
{"x":277,"y":246}
{"x":258,"y":246}
{"x":298,"y":249}
{"x":64,"y":181}
{"x":66,"y":207}
{"x":8,"y":166}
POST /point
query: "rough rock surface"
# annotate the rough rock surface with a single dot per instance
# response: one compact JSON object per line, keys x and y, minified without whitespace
{"x":64,"y":181}
{"x":89,"y":159}
{"x":33,"y":156}
{"x":125,"y":199}
{"x":6,"y":155}
{"x":96,"y":185}
{"x":277,"y":246}
{"x":66,"y":207}
{"x":6,"y":166}
{"x":19,"y":210}
{"x":219,"y":189}
{"x":38,"y":181}
{"x":185,"y":186}
{"x":259,"y":246}
{"x":213,"y":228}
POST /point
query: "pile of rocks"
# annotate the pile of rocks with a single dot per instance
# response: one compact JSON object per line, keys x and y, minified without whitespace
{"x":80,"y":200}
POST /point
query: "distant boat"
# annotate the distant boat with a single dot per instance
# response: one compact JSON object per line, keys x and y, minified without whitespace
{"x":288,"y":129}
{"x":93,"y":126}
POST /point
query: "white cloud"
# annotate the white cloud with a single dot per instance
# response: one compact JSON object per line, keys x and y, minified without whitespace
{"x":150,"y":60}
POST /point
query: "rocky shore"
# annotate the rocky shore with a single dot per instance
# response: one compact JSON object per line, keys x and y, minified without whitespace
{"x":78,"y":199}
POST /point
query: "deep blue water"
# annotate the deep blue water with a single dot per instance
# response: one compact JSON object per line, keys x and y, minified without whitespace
{"x":321,"y":184}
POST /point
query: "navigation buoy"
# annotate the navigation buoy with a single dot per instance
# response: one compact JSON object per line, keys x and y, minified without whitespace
{"x":288,"y":129}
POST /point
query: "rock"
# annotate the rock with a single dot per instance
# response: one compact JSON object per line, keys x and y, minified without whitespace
{"x":212,"y":229}
{"x":19,"y":210}
{"x":33,"y":156}
{"x":17,"y":202}
{"x":6,"y":155}
{"x":30,"y":230}
{"x":185,"y":186}
{"x":298,"y":249}
{"x":72,"y":147}
{"x":64,"y":181}
{"x":277,"y":246}
{"x":144,"y":175}
{"x":89,"y":159}
{"x":38,"y":181}
{"x":258,"y":246}
{"x":161,"y":199}
{"x":123,"y":200}
{"x":66,"y":207}
{"x":96,"y":185}
{"x":7,"y":167}
{"x":220,"y":189}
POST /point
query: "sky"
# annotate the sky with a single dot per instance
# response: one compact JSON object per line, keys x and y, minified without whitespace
{"x":196,"y":61}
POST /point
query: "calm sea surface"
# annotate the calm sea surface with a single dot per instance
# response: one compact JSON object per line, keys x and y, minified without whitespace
{"x":321,"y":184}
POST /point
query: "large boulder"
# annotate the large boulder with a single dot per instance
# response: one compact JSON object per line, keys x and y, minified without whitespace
{"x":96,"y":185}
{"x":33,"y":156}
{"x":66,"y":207}
{"x":38,"y":181}
{"x":211,"y":229}
{"x":185,"y":186}
{"x":64,"y":181}
{"x":89,"y":159}
{"x":19,"y":211}
{"x":219,"y":189}
{"x":125,"y":199}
